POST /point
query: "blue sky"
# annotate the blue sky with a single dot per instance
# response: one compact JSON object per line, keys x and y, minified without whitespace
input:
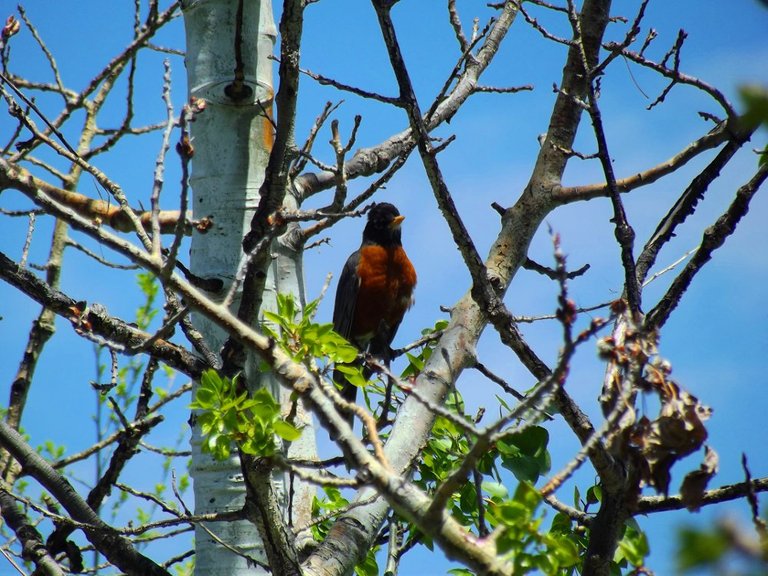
{"x":717,"y":340}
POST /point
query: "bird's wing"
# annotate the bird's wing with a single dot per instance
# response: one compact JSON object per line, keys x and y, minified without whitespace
{"x":346,"y":297}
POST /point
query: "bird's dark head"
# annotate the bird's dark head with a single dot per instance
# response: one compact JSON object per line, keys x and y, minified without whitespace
{"x":383,"y":226}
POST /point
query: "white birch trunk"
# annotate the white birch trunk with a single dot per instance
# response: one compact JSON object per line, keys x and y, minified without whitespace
{"x":232,"y":145}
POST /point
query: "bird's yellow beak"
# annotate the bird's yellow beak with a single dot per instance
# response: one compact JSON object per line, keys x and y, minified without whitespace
{"x":396,"y":221}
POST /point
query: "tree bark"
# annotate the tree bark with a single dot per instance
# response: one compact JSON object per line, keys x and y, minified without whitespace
{"x":232,"y":139}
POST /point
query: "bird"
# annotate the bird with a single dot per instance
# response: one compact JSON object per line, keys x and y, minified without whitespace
{"x":374,"y":292}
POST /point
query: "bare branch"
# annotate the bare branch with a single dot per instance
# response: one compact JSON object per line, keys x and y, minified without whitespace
{"x":102,"y":82}
{"x":33,"y":547}
{"x":687,"y":203}
{"x":306,"y":150}
{"x":371,"y":160}
{"x":541,"y":30}
{"x":481,"y":286}
{"x":109,"y":542}
{"x":625,"y":234}
{"x":325,"y":81}
{"x":453,"y":16}
{"x":678,"y":77}
{"x":48,"y":56}
{"x":760,"y":525}
{"x":16,"y":177}
{"x":712,"y":139}
{"x":157,"y":185}
{"x":536,"y":267}
{"x":653,"y":504}
{"x":99,"y":323}
{"x":99,"y":259}
{"x":714,"y":237}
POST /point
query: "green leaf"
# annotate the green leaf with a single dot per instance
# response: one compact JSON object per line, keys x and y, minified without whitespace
{"x":310,"y":308}
{"x":577,"y":497}
{"x":594,"y":494}
{"x":286,"y":306}
{"x":211,"y":380}
{"x":507,"y":541}
{"x":267,"y":329}
{"x":257,"y":447}
{"x":502,"y":403}
{"x":341,"y":351}
{"x":495,"y":489}
{"x":368,"y":567}
{"x":417,"y":362}
{"x":566,"y":551}
{"x":353,"y":374}
{"x":525,"y":453}
{"x":272,"y":317}
{"x":756,"y":100}
{"x":455,"y":402}
{"x":561,"y":524}
{"x":523,"y":468}
{"x":264,"y":397}
{"x":218,"y":446}
{"x":466,"y":503}
{"x":633,"y":547}
{"x":206,"y":424}
{"x":442,"y":445}
{"x":286,"y":431}
{"x":528,"y":495}
{"x":323,"y":331}
{"x":512,"y":512}
{"x":532,"y":440}
{"x":439,"y":325}
{"x":334,"y":500}
{"x":697,"y":548}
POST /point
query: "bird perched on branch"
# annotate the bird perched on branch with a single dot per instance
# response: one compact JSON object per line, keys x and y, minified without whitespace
{"x":375,"y":290}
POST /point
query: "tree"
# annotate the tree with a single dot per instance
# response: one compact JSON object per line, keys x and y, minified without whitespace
{"x":478,"y":486}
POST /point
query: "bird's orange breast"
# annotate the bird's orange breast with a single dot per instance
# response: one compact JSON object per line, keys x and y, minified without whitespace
{"x":385,"y":292}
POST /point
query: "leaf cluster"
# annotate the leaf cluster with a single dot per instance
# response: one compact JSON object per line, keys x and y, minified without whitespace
{"x":230,"y":416}
{"x":305,"y":340}
{"x":515,"y":518}
{"x":484,"y":503}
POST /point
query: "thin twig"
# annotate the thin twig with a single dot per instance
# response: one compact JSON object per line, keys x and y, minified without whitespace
{"x":625,"y":234}
{"x":325,"y":81}
{"x":158,"y":180}
{"x":27,"y":240}
{"x":757,"y":521}
{"x":306,"y":149}
{"x":713,"y":238}
{"x":91,"y":254}
{"x":453,"y":16}
{"x":678,"y":77}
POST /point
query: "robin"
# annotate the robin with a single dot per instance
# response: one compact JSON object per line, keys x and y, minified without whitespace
{"x":375,"y":289}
